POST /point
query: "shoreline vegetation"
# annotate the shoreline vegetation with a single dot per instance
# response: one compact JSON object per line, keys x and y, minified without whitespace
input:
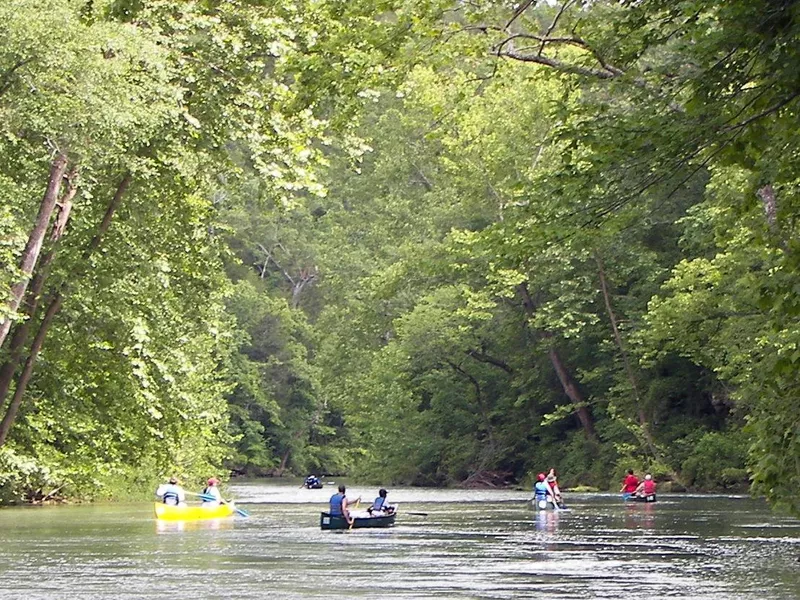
{"x":444,"y":245}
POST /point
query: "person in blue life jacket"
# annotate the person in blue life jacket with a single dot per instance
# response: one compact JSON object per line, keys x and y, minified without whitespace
{"x":312,"y":481}
{"x":171,"y":493}
{"x":541,"y":492}
{"x":380,"y":504}
{"x":339,"y":504}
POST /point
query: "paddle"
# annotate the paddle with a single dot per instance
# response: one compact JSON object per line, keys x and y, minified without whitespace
{"x":353,"y":519}
{"x":418,"y":514}
{"x":210,"y":498}
{"x":552,"y":494}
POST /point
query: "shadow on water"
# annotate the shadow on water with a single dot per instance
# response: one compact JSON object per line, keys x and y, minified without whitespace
{"x":461,"y":544}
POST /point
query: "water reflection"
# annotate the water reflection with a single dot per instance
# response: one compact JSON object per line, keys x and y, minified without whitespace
{"x":640,"y":515}
{"x":547,"y":520}
{"x":459,"y":544}
{"x":207,"y":524}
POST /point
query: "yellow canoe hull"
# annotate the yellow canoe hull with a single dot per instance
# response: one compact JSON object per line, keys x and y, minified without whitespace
{"x":166,"y":512}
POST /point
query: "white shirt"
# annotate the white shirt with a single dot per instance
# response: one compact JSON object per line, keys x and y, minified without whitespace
{"x":171,"y":487}
{"x":212,"y":490}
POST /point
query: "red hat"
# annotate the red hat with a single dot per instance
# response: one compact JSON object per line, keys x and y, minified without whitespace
{"x":213,"y":481}
{"x":540,"y":477}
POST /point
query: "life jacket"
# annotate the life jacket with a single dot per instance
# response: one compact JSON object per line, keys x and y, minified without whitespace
{"x":171,"y":497}
{"x":540,"y":490}
{"x":649,"y":487}
{"x":379,"y":504}
{"x":336,"y":505}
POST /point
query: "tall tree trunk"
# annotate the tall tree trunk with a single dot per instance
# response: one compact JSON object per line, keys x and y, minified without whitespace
{"x":570,"y":388}
{"x":644,"y":425}
{"x":568,"y":384}
{"x":27,"y":370}
{"x":21,"y":331}
{"x":52,"y":310}
{"x":34,"y":246}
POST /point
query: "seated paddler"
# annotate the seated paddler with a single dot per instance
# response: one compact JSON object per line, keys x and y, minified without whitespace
{"x":339,"y":504}
{"x":211,"y":495}
{"x":381,"y":505}
{"x":541,"y":492}
{"x":171,"y":493}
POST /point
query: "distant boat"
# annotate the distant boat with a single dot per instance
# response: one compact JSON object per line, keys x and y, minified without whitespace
{"x":169,"y":512}
{"x":312,"y":482}
{"x":328,"y":521}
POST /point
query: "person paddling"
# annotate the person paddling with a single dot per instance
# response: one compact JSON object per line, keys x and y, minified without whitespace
{"x":339,"y":504}
{"x":629,"y":485}
{"x":647,"y":489}
{"x":380,"y":504}
{"x":541,"y":492}
{"x":213,"y":497}
{"x":552,"y":481}
{"x":171,"y":493}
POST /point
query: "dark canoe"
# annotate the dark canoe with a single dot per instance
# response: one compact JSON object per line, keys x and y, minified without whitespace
{"x":313,"y":486}
{"x":648,"y":498}
{"x":542,"y":505}
{"x":326,"y":521}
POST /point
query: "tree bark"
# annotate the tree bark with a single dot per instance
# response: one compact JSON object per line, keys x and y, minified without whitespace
{"x":52,"y":310}
{"x":573,"y":393}
{"x":568,"y":384}
{"x":21,"y":331}
{"x":34,"y":245}
{"x":27,"y":370}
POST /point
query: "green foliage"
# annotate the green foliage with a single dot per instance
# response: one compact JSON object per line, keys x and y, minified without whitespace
{"x":717,"y":461}
{"x":579,"y":252}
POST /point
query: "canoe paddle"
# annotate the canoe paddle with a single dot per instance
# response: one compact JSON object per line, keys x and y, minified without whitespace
{"x":553,"y":495}
{"x":209,"y":498}
{"x":353,"y":519}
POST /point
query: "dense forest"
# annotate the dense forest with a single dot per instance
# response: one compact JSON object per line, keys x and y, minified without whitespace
{"x":423,"y":242}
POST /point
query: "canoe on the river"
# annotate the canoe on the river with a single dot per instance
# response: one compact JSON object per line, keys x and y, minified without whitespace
{"x":648,"y":498}
{"x":168,"y":512}
{"x":328,"y":521}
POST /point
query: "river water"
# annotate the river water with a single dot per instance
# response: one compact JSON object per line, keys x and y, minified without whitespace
{"x":468,"y":544}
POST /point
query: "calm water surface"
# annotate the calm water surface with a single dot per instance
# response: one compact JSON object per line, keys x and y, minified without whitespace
{"x":471,"y":544}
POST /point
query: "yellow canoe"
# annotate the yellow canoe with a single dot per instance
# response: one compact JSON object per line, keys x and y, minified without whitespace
{"x":167,"y":512}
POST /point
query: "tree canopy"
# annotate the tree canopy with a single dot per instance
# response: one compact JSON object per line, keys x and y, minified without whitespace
{"x":425,"y":242}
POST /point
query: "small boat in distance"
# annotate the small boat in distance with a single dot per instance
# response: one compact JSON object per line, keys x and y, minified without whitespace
{"x":169,"y":512}
{"x":312,"y":482}
{"x":328,"y":521}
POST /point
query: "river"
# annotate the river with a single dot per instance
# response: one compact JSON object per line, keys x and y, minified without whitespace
{"x":467,"y":544}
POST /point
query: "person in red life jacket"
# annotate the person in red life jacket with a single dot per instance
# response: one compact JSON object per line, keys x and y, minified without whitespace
{"x":552,"y":481}
{"x":629,"y":485}
{"x":647,"y":489}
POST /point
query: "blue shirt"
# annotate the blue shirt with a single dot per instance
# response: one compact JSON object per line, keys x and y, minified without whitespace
{"x":540,"y":490}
